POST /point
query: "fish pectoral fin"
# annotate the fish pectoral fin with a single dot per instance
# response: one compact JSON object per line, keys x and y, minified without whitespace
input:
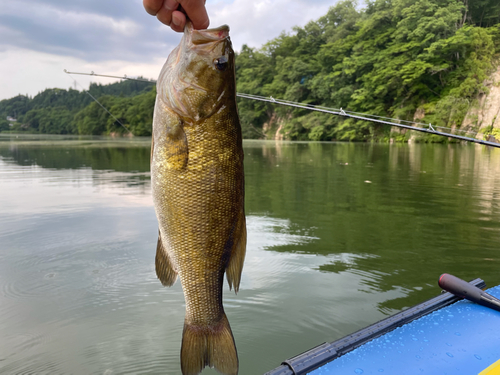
{"x":237,"y":257}
{"x":164,"y":269}
{"x":177,"y":146}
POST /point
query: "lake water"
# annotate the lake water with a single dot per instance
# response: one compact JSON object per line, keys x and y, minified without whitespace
{"x":339,"y":236}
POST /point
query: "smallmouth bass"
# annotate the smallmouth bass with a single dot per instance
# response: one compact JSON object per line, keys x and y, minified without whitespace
{"x":198,"y":191}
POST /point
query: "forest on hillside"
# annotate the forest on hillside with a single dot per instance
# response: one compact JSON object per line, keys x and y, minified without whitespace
{"x":394,"y":58}
{"x":388,"y":59}
{"x":59,"y":111}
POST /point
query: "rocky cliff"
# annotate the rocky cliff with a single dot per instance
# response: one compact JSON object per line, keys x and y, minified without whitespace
{"x":484,"y":116}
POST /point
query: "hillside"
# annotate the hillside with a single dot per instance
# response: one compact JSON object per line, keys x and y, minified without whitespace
{"x":394,"y":58}
{"x":59,"y":111}
{"x":431,"y":60}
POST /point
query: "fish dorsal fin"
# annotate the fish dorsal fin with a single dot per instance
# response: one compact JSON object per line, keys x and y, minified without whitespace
{"x":164,"y":268}
{"x":176,"y":147}
{"x":237,"y":257}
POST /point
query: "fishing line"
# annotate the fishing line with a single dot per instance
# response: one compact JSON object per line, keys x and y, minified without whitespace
{"x":97,"y":101}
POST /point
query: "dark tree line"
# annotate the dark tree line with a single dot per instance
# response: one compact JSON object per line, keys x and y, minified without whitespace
{"x":59,"y":111}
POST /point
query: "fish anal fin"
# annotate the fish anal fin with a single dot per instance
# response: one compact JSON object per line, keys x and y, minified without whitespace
{"x":208,"y":346}
{"x":176,"y":147}
{"x":164,"y":268}
{"x":237,"y":257}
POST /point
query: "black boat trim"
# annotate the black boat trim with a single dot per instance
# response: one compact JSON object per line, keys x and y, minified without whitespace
{"x":327,"y":352}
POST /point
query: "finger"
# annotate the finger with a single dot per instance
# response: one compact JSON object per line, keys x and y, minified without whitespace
{"x":196,"y":12}
{"x":165,"y":12}
{"x":164,"y":15}
{"x":171,"y":4}
{"x":178,"y":21}
{"x":152,"y":6}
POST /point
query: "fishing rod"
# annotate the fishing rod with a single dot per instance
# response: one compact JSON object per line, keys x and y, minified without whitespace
{"x":465,"y":290}
{"x":110,"y":76}
{"x":341,"y":112}
{"x":338,"y":112}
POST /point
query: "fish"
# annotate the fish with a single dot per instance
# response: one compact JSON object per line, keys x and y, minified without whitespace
{"x":198,"y":189}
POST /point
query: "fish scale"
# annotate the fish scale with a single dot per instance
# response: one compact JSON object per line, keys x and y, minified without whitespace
{"x":198,"y":191}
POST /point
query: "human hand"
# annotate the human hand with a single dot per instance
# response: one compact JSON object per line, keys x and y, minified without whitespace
{"x":167,"y":12}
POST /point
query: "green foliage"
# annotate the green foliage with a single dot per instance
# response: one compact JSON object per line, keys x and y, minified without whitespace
{"x":50,"y":120}
{"x":490,"y":130}
{"x":496,"y":133}
{"x":127,"y":88}
{"x":4,"y":125}
{"x":59,"y":111}
{"x":388,"y":59}
{"x":135,"y":113}
{"x":483,"y":13}
{"x":14,"y":107}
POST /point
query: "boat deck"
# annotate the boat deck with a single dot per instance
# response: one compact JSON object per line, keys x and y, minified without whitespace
{"x":439,"y":336}
{"x":463,"y":338}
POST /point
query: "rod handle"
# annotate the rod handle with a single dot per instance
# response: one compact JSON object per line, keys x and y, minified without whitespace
{"x":465,"y":290}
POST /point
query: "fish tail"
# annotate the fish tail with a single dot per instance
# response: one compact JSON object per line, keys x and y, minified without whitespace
{"x":209,"y":346}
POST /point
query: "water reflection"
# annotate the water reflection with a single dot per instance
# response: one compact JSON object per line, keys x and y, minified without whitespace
{"x":340,"y":235}
{"x":121,"y":156}
{"x":423,"y":212}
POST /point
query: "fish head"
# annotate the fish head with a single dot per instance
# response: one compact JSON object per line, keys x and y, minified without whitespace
{"x":199,"y":75}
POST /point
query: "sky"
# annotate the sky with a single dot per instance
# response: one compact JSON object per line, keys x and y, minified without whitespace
{"x":41,"y":38}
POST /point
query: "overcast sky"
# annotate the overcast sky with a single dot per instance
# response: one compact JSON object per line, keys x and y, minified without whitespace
{"x":40,"y":38}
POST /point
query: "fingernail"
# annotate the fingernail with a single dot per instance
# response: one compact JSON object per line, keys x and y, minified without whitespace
{"x":175,"y":20}
{"x":171,"y":5}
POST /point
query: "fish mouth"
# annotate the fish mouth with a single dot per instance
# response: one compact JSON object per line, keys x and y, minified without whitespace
{"x":198,"y":37}
{"x":178,"y":80}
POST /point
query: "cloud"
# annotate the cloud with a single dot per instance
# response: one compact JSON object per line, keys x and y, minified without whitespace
{"x":72,"y":30}
{"x":255,"y":22}
{"x":34,"y":71}
{"x":40,"y":38}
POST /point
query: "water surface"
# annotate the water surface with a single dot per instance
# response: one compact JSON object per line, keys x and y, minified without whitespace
{"x":339,"y":236}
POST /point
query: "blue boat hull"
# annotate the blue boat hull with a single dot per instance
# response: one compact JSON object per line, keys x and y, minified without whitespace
{"x":463,"y":338}
{"x":439,"y":336}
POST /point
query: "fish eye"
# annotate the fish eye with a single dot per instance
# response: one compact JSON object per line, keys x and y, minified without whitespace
{"x":221,"y":63}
